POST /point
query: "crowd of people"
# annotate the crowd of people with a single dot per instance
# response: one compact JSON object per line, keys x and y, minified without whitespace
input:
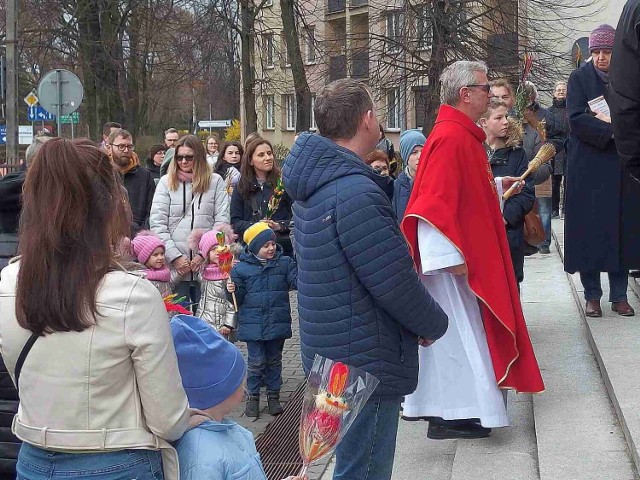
{"x":407,"y":264}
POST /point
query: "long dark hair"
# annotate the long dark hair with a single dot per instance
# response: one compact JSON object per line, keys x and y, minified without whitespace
{"x":74,"y":212}
{"x":222,"y":166}
{"x":248,"y":183}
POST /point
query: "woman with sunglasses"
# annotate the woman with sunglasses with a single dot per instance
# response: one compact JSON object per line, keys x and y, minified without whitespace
{"x":190,"y":196}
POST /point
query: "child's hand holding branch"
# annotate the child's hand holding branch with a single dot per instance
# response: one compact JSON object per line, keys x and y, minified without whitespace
{"x":231,"y":287}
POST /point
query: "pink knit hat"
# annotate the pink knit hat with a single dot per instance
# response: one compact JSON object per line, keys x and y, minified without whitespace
{"x":144,"y":244}
{"x":602,"y":38}
{"x":203,"y":242}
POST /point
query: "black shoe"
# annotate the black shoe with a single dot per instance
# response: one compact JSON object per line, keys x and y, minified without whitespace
{"x":544,"y":250}
{"x":555,"y":214}
{"x":416,"y":419}
{"x":252,"y":409}
{"x":529,"y":250}
{"x":634,"y":273}
{"x":273,"y":403}
{"x":447,"y":432}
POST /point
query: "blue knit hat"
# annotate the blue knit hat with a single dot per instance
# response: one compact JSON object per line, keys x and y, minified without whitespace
{"x":410,"y":139}
{"x":212,"y":368}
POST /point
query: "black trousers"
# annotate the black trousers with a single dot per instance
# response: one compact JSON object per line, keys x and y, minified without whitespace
{"x":557,"y":182}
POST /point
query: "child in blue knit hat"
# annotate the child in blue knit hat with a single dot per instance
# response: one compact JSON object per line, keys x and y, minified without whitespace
{"x":213,"y":376}
{"x":411,"y":143}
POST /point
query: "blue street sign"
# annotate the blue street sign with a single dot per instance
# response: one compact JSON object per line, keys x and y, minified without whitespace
{"x":39,"y":114}
{"x":3,"y":134}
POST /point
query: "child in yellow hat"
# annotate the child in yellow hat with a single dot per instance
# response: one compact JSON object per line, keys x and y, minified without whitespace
{"x":261,"y":282}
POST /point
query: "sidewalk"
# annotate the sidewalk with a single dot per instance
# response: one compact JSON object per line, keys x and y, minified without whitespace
{"x":569,"y":432}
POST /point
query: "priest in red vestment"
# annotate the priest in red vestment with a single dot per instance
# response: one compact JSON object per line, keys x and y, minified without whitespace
{"x":456,"y":235}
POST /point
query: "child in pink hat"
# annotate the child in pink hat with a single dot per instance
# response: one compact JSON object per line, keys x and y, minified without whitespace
{"x":148,"y":250}
{"x":214,"y":308}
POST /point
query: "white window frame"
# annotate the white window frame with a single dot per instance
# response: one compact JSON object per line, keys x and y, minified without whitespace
{"x":310,"y":45}
{"x":395,"y":109}
{"x":269,"y":112}
{"x":394,"y":22}
{"x":424,"y":28}
{"x":290,"y":112}
{"x":313,"y":124}
{"x":268,"y":3}
{"x":286,"y":61}
{"x":269,"y":50}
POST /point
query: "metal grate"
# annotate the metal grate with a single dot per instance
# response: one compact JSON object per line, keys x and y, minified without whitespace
{"x":278,"y":445}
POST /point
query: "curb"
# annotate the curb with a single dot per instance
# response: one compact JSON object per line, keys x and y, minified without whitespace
{"x":633,"y":450}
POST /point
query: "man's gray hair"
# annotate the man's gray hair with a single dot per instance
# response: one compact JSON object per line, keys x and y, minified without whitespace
{"x":34,"y":147}
{"x":457,"y":75}
{"x":170,"y":130}
{"x":561,"y":82}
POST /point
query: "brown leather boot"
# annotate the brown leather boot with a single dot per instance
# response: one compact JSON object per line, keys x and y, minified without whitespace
{"x":623,"y":308}
{"x":593,"y":309}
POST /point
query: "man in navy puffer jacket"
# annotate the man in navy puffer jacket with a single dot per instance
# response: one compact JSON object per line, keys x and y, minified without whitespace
{"x":359,"y":298}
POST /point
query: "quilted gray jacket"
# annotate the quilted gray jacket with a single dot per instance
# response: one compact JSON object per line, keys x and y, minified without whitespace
{"x":174,"y":215}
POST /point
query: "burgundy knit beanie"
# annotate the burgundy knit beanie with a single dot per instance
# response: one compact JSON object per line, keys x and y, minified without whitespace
{"x":144,"y":244}
{"x":602,"y":38}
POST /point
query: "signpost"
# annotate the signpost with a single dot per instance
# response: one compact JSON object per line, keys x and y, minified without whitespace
{"x":25,"y":134}
{"x":38,"y":114}
{"x":31,"y":99}
{"x":214,"y":123}
{"x":72,"y":119}
{"x":60,"y":92}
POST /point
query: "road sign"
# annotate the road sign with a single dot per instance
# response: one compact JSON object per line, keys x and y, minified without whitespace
{"x":73,"y":118}
{"x":25,"y":134}
{"x":31,"y":99}
{"x":214,"y":123}
{"x":39,"y":114}
{"x":60,"y":92}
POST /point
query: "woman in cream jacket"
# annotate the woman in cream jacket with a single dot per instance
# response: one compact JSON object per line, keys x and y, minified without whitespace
{"x":100,"y":390}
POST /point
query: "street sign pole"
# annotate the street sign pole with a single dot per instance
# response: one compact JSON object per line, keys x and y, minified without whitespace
{"x":59,"y":103}
{"x":12,"y":82}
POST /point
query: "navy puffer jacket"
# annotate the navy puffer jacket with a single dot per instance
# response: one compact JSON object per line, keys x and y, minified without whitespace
{"x":359,"y":298}
{"x":262,"y":292}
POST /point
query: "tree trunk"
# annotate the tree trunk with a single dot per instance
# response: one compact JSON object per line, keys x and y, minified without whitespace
{"x":436,"y":65}
{"x":301,"y":87}
{"x":247,"y":43}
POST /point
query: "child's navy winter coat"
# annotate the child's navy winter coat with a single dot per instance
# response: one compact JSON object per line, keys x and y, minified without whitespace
{"x":262,"y":292}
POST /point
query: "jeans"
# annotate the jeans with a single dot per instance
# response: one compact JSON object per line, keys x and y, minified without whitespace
{"x":191,"y":290}
{"x":368,"y":449}
{"x":544,"y":209}
{"x":264,"y":363}
{"x":618,"y":282}
{"x":37,"y":464}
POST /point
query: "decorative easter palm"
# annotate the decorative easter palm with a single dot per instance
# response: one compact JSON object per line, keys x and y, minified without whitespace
{"x":225,"y":260}
{"x":335,"y":395}
{"x":546,"y":153}
{"x":274,"y":201}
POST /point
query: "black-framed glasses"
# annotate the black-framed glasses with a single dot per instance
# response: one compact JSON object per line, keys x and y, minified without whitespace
{"x":123,"y":146}
{"x":485,"y":86}
{"x":184,"y":158}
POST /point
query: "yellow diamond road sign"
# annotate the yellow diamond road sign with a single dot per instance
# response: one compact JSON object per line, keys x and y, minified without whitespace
{"x":31,"y":99}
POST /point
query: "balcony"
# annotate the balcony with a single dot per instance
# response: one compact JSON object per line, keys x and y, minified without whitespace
{"x":337,"y":67}
{"x":360,"y":64}
{"x":336,"y":6}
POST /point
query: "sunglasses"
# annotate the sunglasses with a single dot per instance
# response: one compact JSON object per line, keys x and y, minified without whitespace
{"x":184,"y":158}
{"x":485,"y":86}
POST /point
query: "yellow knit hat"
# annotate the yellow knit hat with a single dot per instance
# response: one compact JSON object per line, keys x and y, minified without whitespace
{"x":257,"y":235}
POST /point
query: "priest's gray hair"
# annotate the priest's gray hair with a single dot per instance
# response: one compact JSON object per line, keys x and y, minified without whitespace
{"x":458,"y":75}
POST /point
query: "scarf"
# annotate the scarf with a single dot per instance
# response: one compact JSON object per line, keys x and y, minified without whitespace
{"x":185,"y":177}
{"x":604,"y":76}
{"x":160,"y":275}
{"x":560,"y":103}
{"x":213,"y":272}
{"x":133,"y":163}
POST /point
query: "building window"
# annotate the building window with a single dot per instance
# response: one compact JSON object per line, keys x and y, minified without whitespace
{"x":269,"y":112}
{"x":285,"y":59}
{"x":310,"y":45}
{"x":268,"y":3}
{"x":290,"y":111}
{"x":395,"y":109}
{"x":313,"y":115}
{"x":269,"y":49}
{"x":394,"y":31}
{"x":424,"y":27}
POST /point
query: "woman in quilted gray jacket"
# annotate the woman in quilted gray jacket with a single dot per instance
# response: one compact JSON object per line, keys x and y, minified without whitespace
{"x":188,"y":197}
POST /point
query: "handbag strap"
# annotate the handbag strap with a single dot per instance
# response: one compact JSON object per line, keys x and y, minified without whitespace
{"x":23,"y":356}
